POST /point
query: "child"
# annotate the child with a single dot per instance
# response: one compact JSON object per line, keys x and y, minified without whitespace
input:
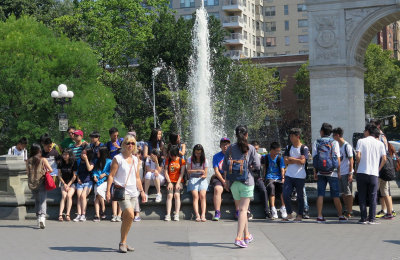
{"x":154,"y":175}
{"x":174,"y":170}
{"x":100,"y":174}
{"x":197,"y":166}
{"x":275,"y":177}
{"x":84,"y":183}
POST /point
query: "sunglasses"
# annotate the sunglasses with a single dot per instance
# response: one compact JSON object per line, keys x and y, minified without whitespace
{"x":70,"y":133}
{"x":131,"y":143}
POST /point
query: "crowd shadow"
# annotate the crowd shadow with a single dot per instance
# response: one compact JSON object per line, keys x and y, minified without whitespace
{"x":83,"y":249}
{"x":396,"y":242}
{"x":194,"y":244}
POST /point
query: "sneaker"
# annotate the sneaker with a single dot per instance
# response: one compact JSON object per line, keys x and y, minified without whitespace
{"x":176,"y":217}
{"x":248,"y":239}
{"x":283,"y":212}
{"x":167,"y":218}
{"x":363,"y":222}
{"x":122,"y":248}
{"x":96,"y":219}
{"x":146,"y":198}
{"x":42,"y":220}
{"x":393,"y":213}
{"x":217,"y":215}
{"x":158,"y":197}
{"x":380,"y":214}
{"x":321,"y":220}
{"x":240,"y":243}
{"x":114,"y":218}
{"x":388,"y":216}
{"x":103,"y":215}
{"x":249,"y":215}
{"x":137,"y":219}
{"x":268,"y":215}
{"x":306,"y":215}
{"x":78,"y":218}
{"x":342,"y":219}
{"x":274,"y":213}
{"x":38,"y":222}
{"x":288,"y":218}
{"x":83,"y":218}
{"x":119,"y":219}
{"x":237,"y":214}
{"x":373,"y":222}
{"x":348,"y":215}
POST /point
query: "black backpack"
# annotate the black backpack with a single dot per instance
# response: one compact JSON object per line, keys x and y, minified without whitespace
{"x":388,"y":172}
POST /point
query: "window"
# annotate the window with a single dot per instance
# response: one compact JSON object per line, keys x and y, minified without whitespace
{"x":303,"y":52}
{"x":254,"y":24}
{"x":286,"y":25}
{"x":287,"y":40}
{"x":258,"y":41}
{"x":211,"y":2}
{"x":301,"y":8}
{"x":254,"y":40}
{"x":187,"y":17}
{"x":270,"y":26}
{"x":286,"y":10}
{"x":258,"y":26}
{"x":270,"y":41}
{"x":245,"y":35}
{"x":187,"y":3}
{"x":246,"y":51}
{"x":303,"y":23}
{"x":303,"y":38}
{"x":253,"y":9}
{"x":270,"y":11}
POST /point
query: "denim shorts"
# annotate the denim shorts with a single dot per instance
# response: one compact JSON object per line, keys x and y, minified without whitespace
{"x":197,"y":184}
{"x":89,"y":185}
{"x":240,"y":190}
{"x":333,"y":186}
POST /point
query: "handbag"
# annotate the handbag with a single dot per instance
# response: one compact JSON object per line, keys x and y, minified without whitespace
{"x":49,"y":182}
{"x":118,"y":193}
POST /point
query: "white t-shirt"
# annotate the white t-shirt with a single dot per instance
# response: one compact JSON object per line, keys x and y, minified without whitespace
{"x":150,"y":164}
{"x":344,"y":160}
{"x":371,"y":151}
{"x":196,"y":166}
{"x":14,"y":151}
{"x":297,"y":170}
{"x":122,"y":174}
{"x":336,"y":150}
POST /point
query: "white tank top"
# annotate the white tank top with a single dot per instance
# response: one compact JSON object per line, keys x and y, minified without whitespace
{"x":122,"y":174}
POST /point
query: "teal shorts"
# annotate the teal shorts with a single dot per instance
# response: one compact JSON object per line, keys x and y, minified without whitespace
{"x":240,"y":190}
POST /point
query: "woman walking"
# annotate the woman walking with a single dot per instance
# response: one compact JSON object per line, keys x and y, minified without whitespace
{"x":36,"y":167}
{"x":124,"y":174}
{"x":240,"y":161}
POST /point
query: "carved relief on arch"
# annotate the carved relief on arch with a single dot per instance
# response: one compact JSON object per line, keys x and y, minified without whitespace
{"x":354,"y":17}
{"x":326,"y":38}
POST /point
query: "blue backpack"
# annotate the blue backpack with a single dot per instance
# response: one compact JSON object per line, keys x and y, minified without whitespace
{"x":238,"y":169}
{"x":325,"y":161}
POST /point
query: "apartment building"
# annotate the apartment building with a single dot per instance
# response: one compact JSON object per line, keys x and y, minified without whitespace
{"x":257,"y":28}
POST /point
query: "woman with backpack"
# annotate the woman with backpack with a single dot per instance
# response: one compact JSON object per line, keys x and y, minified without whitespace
{"x":36,"y":168}
{"x":240,"y":161}
{"x":197,"y":166}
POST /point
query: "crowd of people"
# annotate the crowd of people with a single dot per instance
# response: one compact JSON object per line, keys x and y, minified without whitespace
{"x":122,"y":170}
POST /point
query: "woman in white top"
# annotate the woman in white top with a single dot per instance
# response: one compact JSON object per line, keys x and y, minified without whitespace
{"x":125,"y":173}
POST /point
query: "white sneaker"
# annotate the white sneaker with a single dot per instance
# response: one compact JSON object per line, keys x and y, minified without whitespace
{"x":283,"y":212}
{"x":146,"y":198}
{"x":176,"y":217}
{"x":167,"y":218}
{"x":274,"y":213}
{"x":78,"y":218}
{"x":158,"y":197}
{"x":83,"y":218}
{"x":38,"y":222}
{"x":42,"y":220}
{"x":119,"y":219}
{"x":114,"y":219}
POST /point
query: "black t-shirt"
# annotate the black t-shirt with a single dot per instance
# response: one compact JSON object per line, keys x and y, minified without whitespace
{"x":67,"y":170}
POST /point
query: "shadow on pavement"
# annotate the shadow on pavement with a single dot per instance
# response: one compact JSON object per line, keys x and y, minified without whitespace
{"x":82,"y":249}
{"x":18,"y":226}
{"x":397,"y":242}
{"x":194,"y":244}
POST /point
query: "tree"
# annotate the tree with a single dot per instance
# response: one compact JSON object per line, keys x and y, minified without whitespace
{"x":34,"y":61}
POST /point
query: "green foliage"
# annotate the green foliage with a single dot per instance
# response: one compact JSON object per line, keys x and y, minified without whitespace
{"x":302,"y":87}
{"x":33,"y":62}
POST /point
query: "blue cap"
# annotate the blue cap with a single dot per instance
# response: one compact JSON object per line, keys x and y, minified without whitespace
{"x":224,"y":139}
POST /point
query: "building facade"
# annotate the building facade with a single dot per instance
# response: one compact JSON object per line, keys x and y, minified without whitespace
{"x":256,"y":28}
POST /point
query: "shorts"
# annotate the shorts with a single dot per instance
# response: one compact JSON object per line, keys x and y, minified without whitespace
{"x":384,"y":188}
{"x":240,"y":190}
{"x":274,"y":187}
{"x":71,"y":186}
{"x":100,"y":190}
{"x":174,"y":191}
{"x":128,"y":203}
{"x":197,"y":184}
{"x":345,"y":187}
{"x":151,"y":176}
{"x":88,"y":184}
{"x":333,"y":186}
{"x":216,"y":182}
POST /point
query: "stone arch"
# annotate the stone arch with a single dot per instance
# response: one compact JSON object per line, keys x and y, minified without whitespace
{"x":360,"y":35}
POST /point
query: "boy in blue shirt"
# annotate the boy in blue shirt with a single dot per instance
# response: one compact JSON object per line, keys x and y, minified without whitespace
{"x":275,"y":177}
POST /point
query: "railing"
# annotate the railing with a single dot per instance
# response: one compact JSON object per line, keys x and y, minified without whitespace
{"x":233,"y":19}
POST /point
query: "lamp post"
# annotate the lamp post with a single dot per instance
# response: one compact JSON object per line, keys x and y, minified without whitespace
{"x":156,"y":70}
{"x":62,"y":97}
{"x":376,"y":101}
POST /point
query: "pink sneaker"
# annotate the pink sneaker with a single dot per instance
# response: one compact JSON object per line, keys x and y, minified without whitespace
{"x":248,"y":239}
{"x":240,"y":243}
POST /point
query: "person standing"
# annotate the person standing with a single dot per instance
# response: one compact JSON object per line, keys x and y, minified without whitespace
{"x":371,"y":157}
{"x":240,"y":161}
{"x":125,"y":173}
{"x":20,"y":149}
{"x":36,"y":168}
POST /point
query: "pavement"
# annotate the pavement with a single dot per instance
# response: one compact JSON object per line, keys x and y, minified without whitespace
{"x":155,"y":239}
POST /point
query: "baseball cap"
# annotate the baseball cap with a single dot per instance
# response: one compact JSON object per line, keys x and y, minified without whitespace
{"x":94,"y":134}
{"x":78,"y":132}
{"x":225,"y":139}
{"x":132,"y":133}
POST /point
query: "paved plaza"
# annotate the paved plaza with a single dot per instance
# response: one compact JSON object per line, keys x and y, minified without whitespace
{"x":191,"y":240}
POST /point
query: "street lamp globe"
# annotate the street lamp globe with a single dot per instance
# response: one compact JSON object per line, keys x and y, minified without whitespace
{"x":54,"y":94}
{"x":70,"y":94}
{"x":62,"y":88}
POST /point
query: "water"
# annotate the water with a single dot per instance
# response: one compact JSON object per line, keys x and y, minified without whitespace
{"x":173,"y":85}
{"x":203,"y":130}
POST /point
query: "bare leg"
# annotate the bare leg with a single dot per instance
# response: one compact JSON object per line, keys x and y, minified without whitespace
{"x":78,"y":203}
{"x":195,"y":196}
{"x":338,"y":206}
{"x":282,"y":201}
{"x":126,"y":224}
{"x":242,"y":221}
{"x":203,"y":203}
{"x":177,"y":197}
{"x":157,"y":184}
{"x":272,"y":200}
{"x":97,"y":206}
{"x":348,"y":201}
{"x":169,"y":203}
{"x":146,"y":185}
{"x":218,"y":197}
{"x":320,"y":202}
{"x":62,"y":201}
